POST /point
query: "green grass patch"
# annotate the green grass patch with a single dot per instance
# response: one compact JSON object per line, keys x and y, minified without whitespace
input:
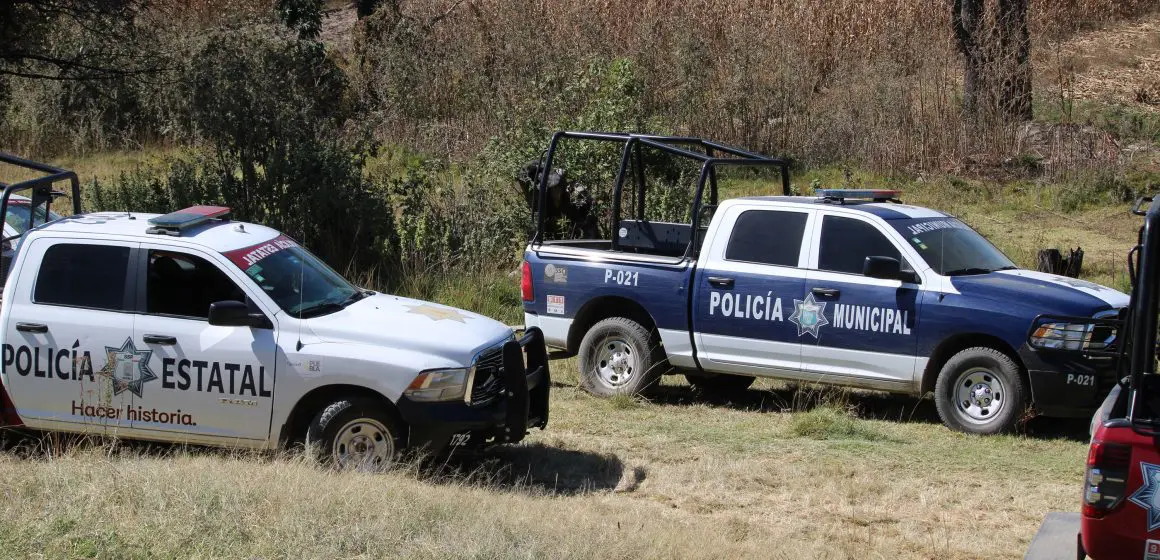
{"x":831,"y":423}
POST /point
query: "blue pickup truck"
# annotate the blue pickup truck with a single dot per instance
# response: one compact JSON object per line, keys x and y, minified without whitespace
{"x":847,"y":288}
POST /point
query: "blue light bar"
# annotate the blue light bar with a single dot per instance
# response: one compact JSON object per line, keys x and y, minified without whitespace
{"x":858,"y":194}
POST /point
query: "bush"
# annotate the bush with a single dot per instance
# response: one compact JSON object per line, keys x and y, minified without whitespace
{"x":467,"y":223}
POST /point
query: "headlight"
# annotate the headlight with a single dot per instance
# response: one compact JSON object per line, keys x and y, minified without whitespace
{"x":1063,"y":336}
{"x":439,"y":385}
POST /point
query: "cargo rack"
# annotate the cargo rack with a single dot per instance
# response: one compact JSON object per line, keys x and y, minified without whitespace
{"x":42,"y":194}
{"x":711,"y":156}
{"x":41,"y":188}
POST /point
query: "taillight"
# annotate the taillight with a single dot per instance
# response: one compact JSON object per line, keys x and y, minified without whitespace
{"x":1106,"y":478}
{"x":526,"y":290}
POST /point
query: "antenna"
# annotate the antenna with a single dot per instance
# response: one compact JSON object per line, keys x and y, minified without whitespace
{"x":301,"y":291}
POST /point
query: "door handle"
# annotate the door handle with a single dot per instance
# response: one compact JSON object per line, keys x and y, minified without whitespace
{"x":32,"y":328}
{"x":826,"y":292}
{"x":160,"y":339}
{"x":720,"y":282}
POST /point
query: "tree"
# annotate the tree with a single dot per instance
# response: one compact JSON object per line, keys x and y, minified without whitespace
{"x":996,"y":48}
{"x":73,"y":39}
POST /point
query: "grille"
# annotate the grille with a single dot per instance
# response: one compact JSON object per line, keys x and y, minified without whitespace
{"x":488,"y":382}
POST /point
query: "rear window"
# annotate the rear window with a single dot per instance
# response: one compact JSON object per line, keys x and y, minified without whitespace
{"x":91,"y":276}
{"x":767,"y":237}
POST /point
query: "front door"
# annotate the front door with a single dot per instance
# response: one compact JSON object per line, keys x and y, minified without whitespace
{"x":212,"y":382}
{"x":866,"y":326}
{"x":745,"y":289}
{"x":69,"y":361}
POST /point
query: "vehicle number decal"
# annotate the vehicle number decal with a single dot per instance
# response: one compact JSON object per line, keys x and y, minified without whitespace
{"x":1152,"y":550}
{"x":622,"y":277}
{"x":1081,"y":379}
{"x":555,"y":305}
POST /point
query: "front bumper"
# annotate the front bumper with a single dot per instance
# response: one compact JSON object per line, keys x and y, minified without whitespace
{"x":1072,"y":383}
{"x":1068,"y":384}
{"x":522,"y":404}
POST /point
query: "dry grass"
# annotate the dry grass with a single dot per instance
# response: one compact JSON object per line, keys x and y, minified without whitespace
{"x":671,"y":477}
{"x":878,"y":83}
{"x":1119,"y":65}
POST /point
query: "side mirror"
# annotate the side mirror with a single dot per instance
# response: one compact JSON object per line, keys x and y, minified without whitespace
{"x":236,"y":314}
{"x":887,"y":268}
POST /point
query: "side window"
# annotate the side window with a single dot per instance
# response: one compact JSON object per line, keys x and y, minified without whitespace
{"x":846,"y":242}
{"x":767,"y":237}
{"x":91,"y":276}
{"x":184,"y":285}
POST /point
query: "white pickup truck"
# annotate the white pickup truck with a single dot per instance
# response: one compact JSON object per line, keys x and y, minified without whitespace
{"x":189,"y":327}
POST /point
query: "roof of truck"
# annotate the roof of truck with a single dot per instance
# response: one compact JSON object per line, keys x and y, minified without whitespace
{"x":884,"y":210}
{"x":216,"y":235}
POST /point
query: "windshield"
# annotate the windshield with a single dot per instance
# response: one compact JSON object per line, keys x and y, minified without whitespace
{"x":17,"y":217}
{"x":300,"y":283}
{"x":951,"y":247}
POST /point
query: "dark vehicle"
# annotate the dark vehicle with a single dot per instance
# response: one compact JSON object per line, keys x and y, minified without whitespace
{"x":1121,"y":495}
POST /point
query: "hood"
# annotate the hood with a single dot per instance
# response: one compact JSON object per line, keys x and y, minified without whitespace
{"x":415,"y":325}
{"x":1043,"y":292}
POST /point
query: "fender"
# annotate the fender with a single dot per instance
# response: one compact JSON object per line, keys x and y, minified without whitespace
{"x":8,"y":416}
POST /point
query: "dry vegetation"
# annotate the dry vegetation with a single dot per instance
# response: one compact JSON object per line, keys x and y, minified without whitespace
{"x":872,"y":83}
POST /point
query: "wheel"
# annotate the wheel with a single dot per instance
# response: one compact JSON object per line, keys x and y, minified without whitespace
{"x":620,"y":356}
{"x":980,"y":391}
{"x":721,"y":384}
{"x":355,"y":434}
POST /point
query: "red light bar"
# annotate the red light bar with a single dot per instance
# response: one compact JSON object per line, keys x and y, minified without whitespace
{"x":173,"y":222}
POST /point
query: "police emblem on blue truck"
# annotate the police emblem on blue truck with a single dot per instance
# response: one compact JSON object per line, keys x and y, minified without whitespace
{"x":809,"y":315}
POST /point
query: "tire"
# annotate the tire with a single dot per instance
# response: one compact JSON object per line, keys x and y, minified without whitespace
{"x":355,"y":433}
{"x":619,"y":356}
{"x":721,"y":384}
{"x":980,"y":391}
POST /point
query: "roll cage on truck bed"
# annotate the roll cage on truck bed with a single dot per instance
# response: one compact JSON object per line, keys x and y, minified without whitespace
{"x":638,"y":234}
{"x":42,"y":194}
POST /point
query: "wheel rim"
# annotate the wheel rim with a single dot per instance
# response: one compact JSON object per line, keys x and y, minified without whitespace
{"x":363,"y":444}
{"x":616,"y":362}
{"x":979,"y":395}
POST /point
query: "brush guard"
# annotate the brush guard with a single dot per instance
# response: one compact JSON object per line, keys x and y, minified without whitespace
{"x":528,"y":382}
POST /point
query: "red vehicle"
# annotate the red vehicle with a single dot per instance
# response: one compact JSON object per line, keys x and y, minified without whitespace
{"x":1121,"y":497}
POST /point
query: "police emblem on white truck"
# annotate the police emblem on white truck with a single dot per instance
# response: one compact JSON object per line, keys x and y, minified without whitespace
{"x":128,"y":367}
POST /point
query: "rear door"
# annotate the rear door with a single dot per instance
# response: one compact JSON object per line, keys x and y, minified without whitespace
{"x":867,"y":326}
{"x":69,"y":360}
{"x":214,"y":382}
{"x":746,"y":285}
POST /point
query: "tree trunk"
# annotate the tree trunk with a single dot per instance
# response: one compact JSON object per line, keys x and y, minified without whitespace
{"x":365,"y":8}
{"x":967,"y":22}
{"x":1015,"y":52}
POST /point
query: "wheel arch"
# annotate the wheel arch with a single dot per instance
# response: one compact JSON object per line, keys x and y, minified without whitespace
{"x":598,"y":309}
{"x":310,"y":404}
{"x":957,"y":343}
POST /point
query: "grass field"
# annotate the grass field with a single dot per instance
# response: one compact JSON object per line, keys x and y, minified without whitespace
{"x":774,"y":475}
